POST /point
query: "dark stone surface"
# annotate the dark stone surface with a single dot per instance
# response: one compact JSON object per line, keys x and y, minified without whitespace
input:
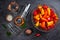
{"x":52,"y":35}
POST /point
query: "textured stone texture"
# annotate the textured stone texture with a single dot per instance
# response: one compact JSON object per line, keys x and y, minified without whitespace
{"x":52,"y":35}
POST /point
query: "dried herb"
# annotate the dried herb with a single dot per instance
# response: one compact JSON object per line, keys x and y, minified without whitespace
{"x":8,"y":33}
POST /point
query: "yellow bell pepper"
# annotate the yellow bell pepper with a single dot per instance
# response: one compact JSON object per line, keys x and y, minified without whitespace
{"x":48,"y":9}
{"x":50,"y":23}
{"x":37,"y":24}
{"x":37,"y":17}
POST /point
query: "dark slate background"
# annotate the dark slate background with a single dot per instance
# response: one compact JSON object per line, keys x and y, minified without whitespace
{"x":51,"y":35}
